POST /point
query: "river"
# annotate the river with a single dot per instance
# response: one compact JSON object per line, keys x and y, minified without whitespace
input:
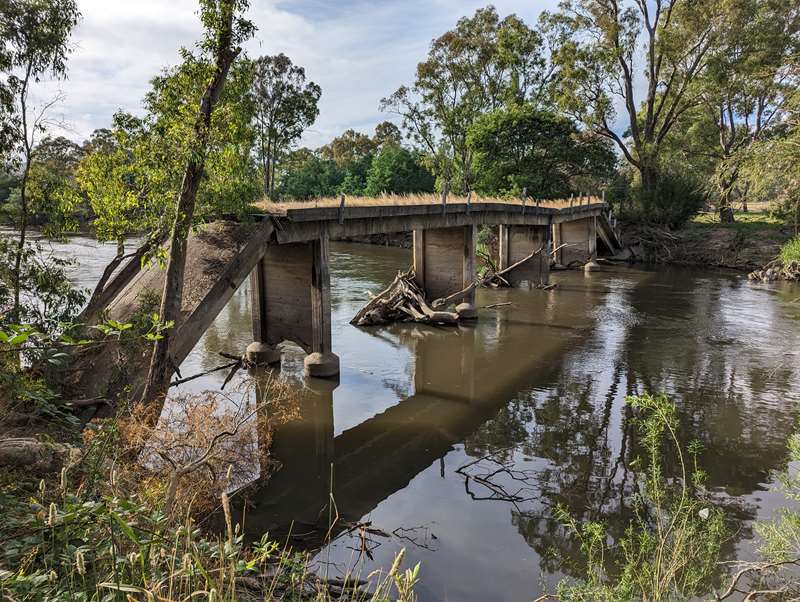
{"x":457,"y":444}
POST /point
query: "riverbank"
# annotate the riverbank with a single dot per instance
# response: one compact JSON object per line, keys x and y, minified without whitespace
{"x":751,"y":242}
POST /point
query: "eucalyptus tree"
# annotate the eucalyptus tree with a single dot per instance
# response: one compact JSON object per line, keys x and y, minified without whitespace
{"x":475,"y":68}
{"x":520,"y":148}
{"x":749,"y":81}
{"x":286,"y":104}
{"x":35,"y":44}
{"x":387,"y":134}
{"x":608,"y":45}
{"x":770,"y":166}
{"x":225,"y":30}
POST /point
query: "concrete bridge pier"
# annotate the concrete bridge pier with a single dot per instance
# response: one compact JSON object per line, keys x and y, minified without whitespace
{"x":519,"y":241}
{"x":292,"y":302}
{"x":444,"y":262}
{"x":581,"y":238}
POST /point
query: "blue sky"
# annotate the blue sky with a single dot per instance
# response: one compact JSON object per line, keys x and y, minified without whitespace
{"x":358,"y":51}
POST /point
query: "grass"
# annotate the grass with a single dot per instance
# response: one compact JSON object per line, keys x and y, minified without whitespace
{"x":411,"y":199}
{"x":791,"y":251}
{"x":744,"y":222}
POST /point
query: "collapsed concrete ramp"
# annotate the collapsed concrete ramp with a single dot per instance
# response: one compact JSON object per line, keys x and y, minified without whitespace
{"x":219,"y":257}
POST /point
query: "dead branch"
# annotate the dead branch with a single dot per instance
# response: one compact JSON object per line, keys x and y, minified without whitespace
{"x":401,"y":301}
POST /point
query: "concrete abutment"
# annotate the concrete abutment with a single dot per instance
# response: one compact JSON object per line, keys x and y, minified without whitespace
{"x":580,"y":238}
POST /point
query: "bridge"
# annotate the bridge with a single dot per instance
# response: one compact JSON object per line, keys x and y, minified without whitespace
{"x":285,"y":254}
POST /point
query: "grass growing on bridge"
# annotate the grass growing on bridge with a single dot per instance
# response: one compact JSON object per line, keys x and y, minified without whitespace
{"x":413,"y":199}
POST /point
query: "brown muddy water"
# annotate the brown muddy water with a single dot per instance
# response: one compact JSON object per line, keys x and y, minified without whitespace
{"x":457,"y":444}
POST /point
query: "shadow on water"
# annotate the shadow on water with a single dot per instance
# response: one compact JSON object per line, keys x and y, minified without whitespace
{"x":532,"y":397}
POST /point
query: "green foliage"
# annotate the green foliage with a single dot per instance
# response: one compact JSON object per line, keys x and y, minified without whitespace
{"x":47,"y":297}
{"x":8,"y":182}
{"x":670,"y":550}
{"x":397,"y":170}
{"x":307,"y":176}
{"x":770,"y":167}
{"x":285,"y":105}
{"x":676,"y":197}
{"x":480,"y":65}
{"x":52,"y":189}
{"x":519,"y":147}
{"x":132,"y":174}
{"x":791,"y":251}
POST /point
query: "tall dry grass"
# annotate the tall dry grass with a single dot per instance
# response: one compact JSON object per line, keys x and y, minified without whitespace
{"x":129,"y":520}
{"x":417,"y":199}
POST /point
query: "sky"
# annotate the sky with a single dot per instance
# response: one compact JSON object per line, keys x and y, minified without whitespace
{"x":358,"y":51}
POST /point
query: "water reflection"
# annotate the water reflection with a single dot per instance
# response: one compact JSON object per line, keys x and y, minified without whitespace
{"x":533,"y":395}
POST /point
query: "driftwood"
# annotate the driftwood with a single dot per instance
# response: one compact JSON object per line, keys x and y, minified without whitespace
{"x":404,"y":301}
{"x":401,"y":301}
{"x":777,"y":270}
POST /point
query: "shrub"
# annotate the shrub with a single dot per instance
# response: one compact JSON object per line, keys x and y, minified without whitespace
{"x":675,"y":199}
{"x":670,"y":550}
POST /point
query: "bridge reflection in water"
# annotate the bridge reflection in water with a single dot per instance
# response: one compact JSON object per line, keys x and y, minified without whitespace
{"x":461,"y":378}
{"x":541,"y":383}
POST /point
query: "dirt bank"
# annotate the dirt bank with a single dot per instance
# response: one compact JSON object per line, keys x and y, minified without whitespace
{"x":754,"y":240}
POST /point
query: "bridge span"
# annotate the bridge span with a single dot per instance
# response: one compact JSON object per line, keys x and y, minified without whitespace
{"x":285,"y":254}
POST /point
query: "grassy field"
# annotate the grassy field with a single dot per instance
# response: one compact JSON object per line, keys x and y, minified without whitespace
{"x":744,"y":222}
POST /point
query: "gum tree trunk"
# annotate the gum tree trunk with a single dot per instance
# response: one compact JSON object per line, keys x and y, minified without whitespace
{"x":161,"y":365}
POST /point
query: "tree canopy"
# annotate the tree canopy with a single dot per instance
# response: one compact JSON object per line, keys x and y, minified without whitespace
{"x":521,"y":148}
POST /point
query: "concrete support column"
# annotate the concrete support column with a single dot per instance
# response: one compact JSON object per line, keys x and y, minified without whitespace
{"x":322,"y":362}
{"x":581,"y":238}
{"x":259,"y":352}
{"x":519,"y":241}
{"x":444,"y":260}
{"x":291,"y":302}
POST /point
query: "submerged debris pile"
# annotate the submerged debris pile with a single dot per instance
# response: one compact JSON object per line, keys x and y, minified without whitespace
{"x":404,"y":301}
{"x":401,"y":301}
{"x":777,"y":270}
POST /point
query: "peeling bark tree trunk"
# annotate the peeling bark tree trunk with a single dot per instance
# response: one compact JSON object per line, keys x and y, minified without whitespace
{"x":161,"y":365}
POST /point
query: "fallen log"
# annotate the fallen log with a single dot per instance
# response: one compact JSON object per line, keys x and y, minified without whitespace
{"x":404,"y":301}
{"x":34,"y":456}
{"x":401,"y":301}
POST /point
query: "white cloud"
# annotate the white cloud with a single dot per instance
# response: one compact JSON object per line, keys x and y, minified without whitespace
{"x":358,"y":51}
